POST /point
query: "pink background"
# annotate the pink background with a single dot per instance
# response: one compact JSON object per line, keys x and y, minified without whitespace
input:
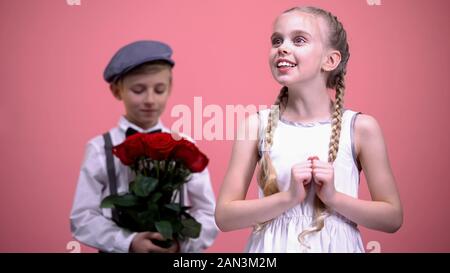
{"x":55,"y":100}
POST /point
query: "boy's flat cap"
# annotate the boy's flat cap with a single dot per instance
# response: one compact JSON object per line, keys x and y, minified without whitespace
{"x":135,"y":54}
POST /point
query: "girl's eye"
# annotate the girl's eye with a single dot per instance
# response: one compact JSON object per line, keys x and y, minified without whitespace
{"x":276,"y":41}
{"x":160,"y":88}
{"x":299,"y":40}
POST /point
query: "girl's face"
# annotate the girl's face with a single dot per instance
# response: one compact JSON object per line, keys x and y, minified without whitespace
{"x":145,"y":96}
{"x":298,"y":47}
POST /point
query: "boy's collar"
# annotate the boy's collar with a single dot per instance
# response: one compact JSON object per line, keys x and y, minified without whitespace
{"x":124,"y":124}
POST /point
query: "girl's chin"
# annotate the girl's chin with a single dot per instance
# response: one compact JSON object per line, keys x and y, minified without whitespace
{"x":287,"y":80}
{"x":283,"y":81}
{"x":283,"y":78}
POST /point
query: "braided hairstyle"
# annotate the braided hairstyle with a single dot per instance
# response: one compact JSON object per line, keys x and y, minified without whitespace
{"x":267,"y":179}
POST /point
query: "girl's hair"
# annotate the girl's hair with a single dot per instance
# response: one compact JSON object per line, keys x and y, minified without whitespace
{"x":267,"y":178}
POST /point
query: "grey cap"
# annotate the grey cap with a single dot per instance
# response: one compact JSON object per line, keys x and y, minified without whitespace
{"x":135,"y":54}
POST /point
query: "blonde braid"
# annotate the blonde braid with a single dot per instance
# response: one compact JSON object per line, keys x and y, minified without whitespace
{"x":320,"y":210}
{"x":337,"y":118}
{"x":267,"y":177}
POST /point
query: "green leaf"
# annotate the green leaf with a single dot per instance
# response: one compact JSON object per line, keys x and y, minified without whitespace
{"x":185,"y":208}
{"x":191,"y":228}
{"x":167,"y":187}
{"x":173,"y":206}
{"x":165,"y":228}
{"x":146,"y":217}
{"x":152,"y":207}
{"x":177,"y":226}
{"x":155,"y":197}
{"x":126,"y":200}
{"x":144,"y":185}
{"x":131,"y":187}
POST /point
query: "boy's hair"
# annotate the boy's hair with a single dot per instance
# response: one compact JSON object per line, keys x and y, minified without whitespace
{"x":267,"y":178}
{"x":145,"y":68}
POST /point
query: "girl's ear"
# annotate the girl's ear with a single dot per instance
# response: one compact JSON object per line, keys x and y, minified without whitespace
{"x":333,"y":59}
{"x":115,"y":90}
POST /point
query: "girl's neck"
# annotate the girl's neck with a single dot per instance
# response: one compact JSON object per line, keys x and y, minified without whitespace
{"x":308,"y":104}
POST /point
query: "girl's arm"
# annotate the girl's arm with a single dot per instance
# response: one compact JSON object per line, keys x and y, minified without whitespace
{"x":232,"y":210}
{"x":384,"y":212}
{"x":202,"y":202}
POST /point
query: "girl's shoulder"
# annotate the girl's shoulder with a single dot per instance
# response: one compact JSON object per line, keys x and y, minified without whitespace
{"x":366,"y":124}
{"x":367,"y":131}
{"x":248,"y":128}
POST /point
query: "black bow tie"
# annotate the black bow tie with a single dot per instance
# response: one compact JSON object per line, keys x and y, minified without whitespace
{"x":130,"y":131}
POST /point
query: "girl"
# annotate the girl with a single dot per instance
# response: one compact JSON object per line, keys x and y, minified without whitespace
{"x":310,"y":151}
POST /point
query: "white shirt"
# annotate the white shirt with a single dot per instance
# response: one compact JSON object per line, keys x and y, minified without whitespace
{"x":93,"y":225}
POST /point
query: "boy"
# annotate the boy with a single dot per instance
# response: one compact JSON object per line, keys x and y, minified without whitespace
{"x":140,"y":75}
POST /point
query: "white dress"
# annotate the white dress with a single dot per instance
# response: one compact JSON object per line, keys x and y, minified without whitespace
{"x":293,"y":143}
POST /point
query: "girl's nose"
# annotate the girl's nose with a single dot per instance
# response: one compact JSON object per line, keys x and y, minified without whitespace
{"x":283,"y":49}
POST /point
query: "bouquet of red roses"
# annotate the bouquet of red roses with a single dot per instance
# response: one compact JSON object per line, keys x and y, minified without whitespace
{"x":161,"y":165}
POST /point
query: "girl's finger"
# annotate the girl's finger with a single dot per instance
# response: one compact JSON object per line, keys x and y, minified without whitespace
{"x":306,"y":182}
{"x":323,"y":172}
{"x":321,"y":164}
{"x":317,"y":181}
{"x":302,"y":170}
{"x":321,"y":178}
{"x":304,"y":164}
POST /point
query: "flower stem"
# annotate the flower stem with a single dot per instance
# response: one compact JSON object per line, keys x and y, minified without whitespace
{"x":144,"y":166}
{"x":157,"y":169}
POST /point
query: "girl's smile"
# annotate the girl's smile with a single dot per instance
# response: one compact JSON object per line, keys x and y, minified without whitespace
{"x":284,"y":65}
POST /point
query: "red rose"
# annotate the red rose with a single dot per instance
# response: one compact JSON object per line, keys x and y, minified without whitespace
{"x":187,"y":153}
{"x":159,"y":146}
{"x":131,"y":149}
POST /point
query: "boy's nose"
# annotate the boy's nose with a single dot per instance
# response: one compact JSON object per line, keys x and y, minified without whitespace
{"x":150,"y":97}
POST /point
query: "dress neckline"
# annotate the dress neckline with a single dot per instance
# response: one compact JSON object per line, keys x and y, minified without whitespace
{"x":304,"y":124}
{"x":307,"y":124}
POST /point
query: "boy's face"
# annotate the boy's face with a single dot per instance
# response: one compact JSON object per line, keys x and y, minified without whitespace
{"x":144,"y":96}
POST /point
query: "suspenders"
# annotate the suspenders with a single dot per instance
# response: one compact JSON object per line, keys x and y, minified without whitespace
{"x":111,"y":171}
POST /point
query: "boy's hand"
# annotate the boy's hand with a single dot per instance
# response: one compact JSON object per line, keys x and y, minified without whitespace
{"x":142,"y":243}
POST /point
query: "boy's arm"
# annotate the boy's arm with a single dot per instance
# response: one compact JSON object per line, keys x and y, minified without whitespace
{"x":202,"y":202}
{"x":88,"y":224}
